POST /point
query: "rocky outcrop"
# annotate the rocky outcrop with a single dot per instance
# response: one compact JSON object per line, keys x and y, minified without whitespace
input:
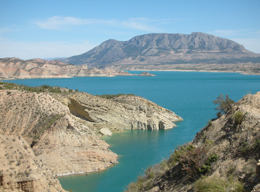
{"x":44,"y":134}
{"x":57,"y":137}
{"x":163,"y":48}
{"x":14,"y":68}
{"x":105,"y":131}
{"x":224,"y":154}
{"x":146,"y":74}
{"x":21,"y":170}
{"x":121,"y":113}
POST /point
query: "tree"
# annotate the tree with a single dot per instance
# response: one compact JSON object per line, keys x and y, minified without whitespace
{"x":223,"y":103}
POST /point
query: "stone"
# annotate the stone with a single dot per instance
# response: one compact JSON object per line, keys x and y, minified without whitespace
{"x":105,"y":131}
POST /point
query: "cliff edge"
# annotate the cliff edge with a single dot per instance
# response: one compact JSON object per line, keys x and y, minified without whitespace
{"x":224,"y":155}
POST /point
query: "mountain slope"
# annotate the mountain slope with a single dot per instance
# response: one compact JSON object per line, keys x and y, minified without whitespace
{"x":164,"y":48}
{"x":223,"y":156}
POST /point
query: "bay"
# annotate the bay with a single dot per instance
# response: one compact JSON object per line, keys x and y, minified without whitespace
{"x":188,"y":94}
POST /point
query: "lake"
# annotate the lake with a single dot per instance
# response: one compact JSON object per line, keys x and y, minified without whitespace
{"x":188,"y":94}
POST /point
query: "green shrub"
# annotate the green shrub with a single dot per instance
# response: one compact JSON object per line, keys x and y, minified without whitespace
{"x":209,"y":123}
{"x":204,"y":169}
{"x":209,"y":142}
{"x":212,"y":158}
{"x":238,"y":117}
{"x":223,"y":103}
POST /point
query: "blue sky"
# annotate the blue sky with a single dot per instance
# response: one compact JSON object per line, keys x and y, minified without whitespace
{"x":53,"y":28}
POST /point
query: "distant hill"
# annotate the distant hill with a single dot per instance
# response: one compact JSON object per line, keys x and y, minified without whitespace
{"x":15,"y":68}
{"x":163,"y":48}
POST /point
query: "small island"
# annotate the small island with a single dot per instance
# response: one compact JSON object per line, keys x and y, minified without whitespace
{"x":146,"y":74}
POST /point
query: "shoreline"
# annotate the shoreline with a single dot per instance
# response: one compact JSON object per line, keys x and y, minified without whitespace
{"x":204,"y":71}
{"x":169,"y":70}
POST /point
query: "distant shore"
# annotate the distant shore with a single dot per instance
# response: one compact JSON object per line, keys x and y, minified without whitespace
{"x":182,"y":70}
{"x":249,"y":71}
{"x":242,"y":68}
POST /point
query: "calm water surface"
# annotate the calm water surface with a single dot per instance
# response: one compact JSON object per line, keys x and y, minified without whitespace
{"x":188,"y":94}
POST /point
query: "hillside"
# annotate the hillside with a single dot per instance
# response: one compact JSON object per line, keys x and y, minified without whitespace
{"x":47,"y":132}
{"x":14,"y":68}
{"x":223,"y":156}
{"x":163,"y":48}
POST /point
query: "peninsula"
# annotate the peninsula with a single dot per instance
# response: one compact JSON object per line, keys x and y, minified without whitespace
{"x":51,"y":131}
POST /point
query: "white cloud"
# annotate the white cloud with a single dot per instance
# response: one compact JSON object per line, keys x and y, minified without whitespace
{"x":57,"y":22}
{"x":251,"y":44}
{"x":29,"y":50}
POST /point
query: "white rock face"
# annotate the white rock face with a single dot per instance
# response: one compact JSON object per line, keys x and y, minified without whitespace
{"x":126,"y":112}
{"x":105,"y":131}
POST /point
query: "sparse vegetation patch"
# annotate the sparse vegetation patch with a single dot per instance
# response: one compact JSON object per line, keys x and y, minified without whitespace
{"x":112,"y":96}
{"x":216,"y":184}
{"x":238,"y":117}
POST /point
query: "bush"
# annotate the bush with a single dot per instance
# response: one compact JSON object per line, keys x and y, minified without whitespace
{"x":209,"y":142}
{"x":205,"y":168}
{"x":212,"y":158}
{"x":238,"y":117}
{"x":223,"y":104}
{"x":193,"y":158}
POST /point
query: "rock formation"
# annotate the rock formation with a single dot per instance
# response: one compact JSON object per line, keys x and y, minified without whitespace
{"x":146,"y":74}
{"x":21,"y":170}
{"x":121,"y":113}
{"x":44,"y":135}
{"x":223,"y":154}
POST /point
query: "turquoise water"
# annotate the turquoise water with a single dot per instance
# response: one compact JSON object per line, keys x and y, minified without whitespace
{"x":188,"y":94}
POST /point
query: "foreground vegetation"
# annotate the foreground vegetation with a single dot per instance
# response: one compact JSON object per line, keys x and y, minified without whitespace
{"x":112,"y":96}
{"x":37,"y":89}
{"x":221,"y":158}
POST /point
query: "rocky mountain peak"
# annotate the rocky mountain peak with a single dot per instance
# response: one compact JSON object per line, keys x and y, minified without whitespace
{"x":160,"y":48}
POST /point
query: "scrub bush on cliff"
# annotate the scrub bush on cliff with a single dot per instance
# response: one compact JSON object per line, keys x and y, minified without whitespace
{"x":223,"y":103}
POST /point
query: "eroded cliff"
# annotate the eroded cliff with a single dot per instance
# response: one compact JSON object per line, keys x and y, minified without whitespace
{"x":62,"y":132}
{"x":121,"y":113}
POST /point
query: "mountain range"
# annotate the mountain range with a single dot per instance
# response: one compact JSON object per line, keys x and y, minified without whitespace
{"x":163,"y":48}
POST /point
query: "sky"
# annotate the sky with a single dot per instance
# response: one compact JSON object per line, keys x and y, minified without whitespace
{"x":54,"y":28}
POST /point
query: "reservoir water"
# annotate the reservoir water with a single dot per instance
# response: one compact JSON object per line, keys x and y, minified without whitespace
{"x":188,"y":94}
